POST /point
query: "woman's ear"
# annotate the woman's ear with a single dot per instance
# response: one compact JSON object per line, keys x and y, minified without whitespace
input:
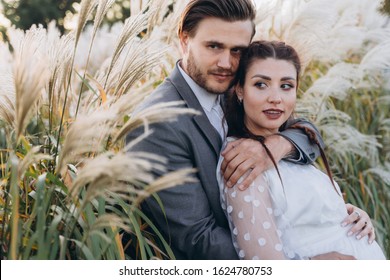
{"x":239,"y":92}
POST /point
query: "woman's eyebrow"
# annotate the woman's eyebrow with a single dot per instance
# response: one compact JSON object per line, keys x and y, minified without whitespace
{"x":262,"y":76}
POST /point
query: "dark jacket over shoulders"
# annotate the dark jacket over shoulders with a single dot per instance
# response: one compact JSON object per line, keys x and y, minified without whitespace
{"x":195,"y":225}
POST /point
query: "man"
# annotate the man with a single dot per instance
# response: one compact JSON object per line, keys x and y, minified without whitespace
{"x":212,"y":33}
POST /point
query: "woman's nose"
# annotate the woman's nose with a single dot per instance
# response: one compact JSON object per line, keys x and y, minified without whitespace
{"x":274,"y":97}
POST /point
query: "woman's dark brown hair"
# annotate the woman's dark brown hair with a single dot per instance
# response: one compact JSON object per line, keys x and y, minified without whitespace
{"x":234,"y":109}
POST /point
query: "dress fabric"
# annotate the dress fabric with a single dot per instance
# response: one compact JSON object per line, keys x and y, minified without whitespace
{"x":296,"y":216}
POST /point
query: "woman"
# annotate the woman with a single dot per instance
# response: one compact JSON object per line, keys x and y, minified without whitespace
{"x":291,"y":211}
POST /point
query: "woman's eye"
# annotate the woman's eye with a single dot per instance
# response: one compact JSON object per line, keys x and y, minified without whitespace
{"x":260,"y":85}
{"x":287,"y":86}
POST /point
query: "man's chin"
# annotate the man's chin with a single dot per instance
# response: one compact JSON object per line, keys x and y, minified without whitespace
{"x":217,"y":89}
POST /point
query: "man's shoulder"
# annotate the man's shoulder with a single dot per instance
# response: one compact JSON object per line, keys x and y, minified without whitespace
{"x":164,"y":93}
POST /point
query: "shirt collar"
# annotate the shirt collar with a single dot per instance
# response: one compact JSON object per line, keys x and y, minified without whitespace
{"x":206,"y":99}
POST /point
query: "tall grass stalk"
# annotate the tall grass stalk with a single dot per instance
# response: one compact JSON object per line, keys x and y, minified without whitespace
{"x":68,"y":191}
{"x":102,"y":8}
{"x":14,"y":190}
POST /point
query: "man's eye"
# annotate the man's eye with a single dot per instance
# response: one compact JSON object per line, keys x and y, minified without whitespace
{"x":214,"y":47}
{"x":237,"y":51}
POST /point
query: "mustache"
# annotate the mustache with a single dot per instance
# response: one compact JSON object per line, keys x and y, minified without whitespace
{"x":220,"y":71}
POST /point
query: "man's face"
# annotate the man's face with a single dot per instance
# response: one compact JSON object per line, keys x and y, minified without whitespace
{"x":211,"y":57}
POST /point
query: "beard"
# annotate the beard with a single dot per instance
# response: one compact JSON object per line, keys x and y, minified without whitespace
{"x":201,"y":78}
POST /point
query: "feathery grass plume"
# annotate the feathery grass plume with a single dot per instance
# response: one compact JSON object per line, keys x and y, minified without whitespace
{"x":140,"y":59}
{"x":5,"y":54}
{"x":168,"y":180}
{"x":306,"y":33}
{"x":377,"y":35}
{"x":134,"y":25}
{"x":127,"y":103}
{"x":385,"y":128}
{"x":7,"y":107}
{"x":383,"y":172}
{"x":86,"y":135}
{"x":167,"y":111}
{"x":30,"y":74}
{"x":329,"y":85}
{"x":266,"y":21}
{"x":102,"y":8}
{"x":377,"y":59}
{"x":87,"y":6}
{"x":156,"y":18}
{"x":101,"y":51}
{"x":106,"y":221}
{"x":31,"y":157}
{"x":168,"y":28}
{"x":336,"y":82}
{"x":114,"y":171}
{"x":345,"y":139}
{"x":137,"y":6}
{"x":60,"y":53}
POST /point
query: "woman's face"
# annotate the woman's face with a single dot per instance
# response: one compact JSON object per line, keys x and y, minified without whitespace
{"x":268,"y":95}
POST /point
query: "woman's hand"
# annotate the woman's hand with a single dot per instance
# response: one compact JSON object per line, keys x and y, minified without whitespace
{"x":362,"y":223}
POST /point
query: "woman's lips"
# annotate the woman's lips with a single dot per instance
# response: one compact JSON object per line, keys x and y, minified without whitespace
{"x":273,"y":113}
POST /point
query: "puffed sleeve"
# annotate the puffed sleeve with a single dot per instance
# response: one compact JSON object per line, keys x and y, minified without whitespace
{"x":252,"y":222}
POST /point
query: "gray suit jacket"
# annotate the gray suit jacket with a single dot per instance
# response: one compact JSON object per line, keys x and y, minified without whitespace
{"x":192,"y":221}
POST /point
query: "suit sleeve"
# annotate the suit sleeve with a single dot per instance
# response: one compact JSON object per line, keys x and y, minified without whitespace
{"x":186,"y":219}
{"x":307,"y":151}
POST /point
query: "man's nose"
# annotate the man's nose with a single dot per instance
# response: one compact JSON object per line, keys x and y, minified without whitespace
{"x":225,"y":60}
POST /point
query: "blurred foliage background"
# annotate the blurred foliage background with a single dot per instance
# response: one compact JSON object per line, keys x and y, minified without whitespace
{"x":22,"y":14}
{"x":92,"y":62}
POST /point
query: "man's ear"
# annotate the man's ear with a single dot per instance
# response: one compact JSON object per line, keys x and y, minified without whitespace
{"x":183,"y":37}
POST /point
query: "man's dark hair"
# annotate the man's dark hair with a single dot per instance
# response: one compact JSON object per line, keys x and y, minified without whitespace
{"x":228,"y":10}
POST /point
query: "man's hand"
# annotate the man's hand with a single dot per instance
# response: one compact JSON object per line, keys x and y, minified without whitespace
{"x":333,"y":256}
{"x":362,"y":223}
{"x":245,"y":155}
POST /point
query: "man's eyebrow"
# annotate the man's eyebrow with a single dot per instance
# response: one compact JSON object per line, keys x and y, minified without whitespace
{"x":219,"y":44}
{"x":213,"y":43}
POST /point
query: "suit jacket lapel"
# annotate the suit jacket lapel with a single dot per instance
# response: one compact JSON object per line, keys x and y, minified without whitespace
{"x":201,"y":121}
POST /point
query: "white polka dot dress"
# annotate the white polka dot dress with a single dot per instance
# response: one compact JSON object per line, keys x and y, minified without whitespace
{"x":296,"y":217}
